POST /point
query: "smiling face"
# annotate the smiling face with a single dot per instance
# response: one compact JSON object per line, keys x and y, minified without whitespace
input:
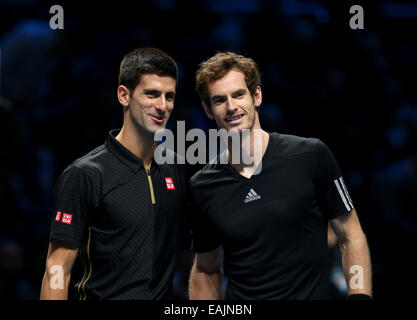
{"x":232,"y":105}
{"x":151,"y":104}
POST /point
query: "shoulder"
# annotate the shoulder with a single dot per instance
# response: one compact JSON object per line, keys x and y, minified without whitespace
{"x":90,"y":165}
{"x":211,"y":172}
{"x":286,"y":145}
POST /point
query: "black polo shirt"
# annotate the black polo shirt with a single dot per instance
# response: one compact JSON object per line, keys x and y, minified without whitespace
{"x":273,"y":226}
{"x":124,"y":219}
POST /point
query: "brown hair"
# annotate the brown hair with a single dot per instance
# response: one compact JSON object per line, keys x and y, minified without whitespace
{"x":219,"y":65}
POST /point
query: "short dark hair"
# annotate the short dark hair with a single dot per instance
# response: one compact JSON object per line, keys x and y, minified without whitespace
{"x":219,"y":65}
{"x":145,"y":61}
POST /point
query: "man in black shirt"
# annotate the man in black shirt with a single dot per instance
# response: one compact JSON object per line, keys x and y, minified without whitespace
{"x":116,"y":208}
{"x":272,"y":223}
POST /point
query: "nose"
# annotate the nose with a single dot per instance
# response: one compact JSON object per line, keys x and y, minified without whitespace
{"x":230,"y":105}
{"x":161,"y":105}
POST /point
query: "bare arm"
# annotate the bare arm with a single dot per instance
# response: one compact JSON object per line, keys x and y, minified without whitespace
{"x":58,"y":271}
{"x":206,"y":276}
{"x":356,"y":258}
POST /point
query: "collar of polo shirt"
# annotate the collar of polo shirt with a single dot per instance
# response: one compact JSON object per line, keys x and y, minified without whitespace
{"x":123,"y":154}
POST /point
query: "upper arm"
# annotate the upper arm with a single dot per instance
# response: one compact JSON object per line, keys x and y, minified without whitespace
{"x":332,"y":192}
{"x":209,"y":262}
{"x":347,"y":226}
{"x":61,"y":254}
{"x":75,"y":197}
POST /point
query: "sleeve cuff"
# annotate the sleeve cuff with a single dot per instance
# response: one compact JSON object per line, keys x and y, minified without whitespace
{"x":359,"y":296}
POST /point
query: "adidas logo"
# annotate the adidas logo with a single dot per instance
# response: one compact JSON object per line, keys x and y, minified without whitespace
{"x":252,"y":196}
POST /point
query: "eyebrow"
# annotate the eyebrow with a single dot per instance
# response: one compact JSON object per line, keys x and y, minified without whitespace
{"x":242,"y":90}
{"x":147,"y":91}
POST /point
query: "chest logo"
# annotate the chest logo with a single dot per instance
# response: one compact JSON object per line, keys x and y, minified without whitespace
{"x":252,"y":196}
{"x":170,"y":183}
{"x":66,"y":217}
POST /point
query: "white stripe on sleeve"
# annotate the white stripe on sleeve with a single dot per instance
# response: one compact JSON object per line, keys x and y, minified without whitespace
{"x":342,"y":195}
{"x":346,"y":192}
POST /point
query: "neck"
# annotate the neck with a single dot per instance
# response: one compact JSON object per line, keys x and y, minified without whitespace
{"x":139,"y":143}
{"x":253,"y":147}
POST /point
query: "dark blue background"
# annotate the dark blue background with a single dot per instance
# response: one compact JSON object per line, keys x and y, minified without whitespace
{"x":354,"y":89}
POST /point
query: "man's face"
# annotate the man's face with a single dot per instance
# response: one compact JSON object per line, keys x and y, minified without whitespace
{"x":152,"y":102}
{"x":232,"y":105}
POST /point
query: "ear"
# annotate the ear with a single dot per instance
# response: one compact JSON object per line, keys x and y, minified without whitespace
{"x":208,"y":111}
{"x":257,"y":97}
{"x":123,"y":95}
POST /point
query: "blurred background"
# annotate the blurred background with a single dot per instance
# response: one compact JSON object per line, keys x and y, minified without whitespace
{"x":353,"y":89}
